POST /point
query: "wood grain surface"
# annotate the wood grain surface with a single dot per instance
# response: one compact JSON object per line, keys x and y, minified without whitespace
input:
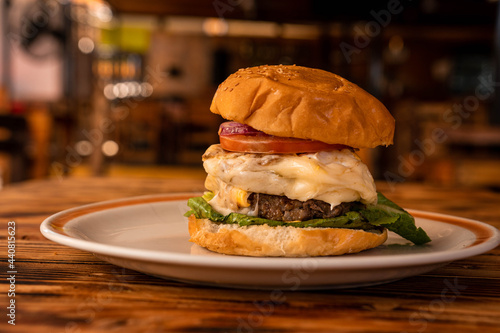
{"x":60,"y":289}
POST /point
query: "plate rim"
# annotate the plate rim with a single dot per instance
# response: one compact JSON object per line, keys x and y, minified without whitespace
{"x":487,"y":239}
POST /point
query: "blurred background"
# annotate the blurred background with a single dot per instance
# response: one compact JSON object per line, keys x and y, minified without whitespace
{"x":123,"y":88}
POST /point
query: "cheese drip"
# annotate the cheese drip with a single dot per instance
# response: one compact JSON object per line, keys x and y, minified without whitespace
{"x":227,"y":198}
{"x":331,"y":176}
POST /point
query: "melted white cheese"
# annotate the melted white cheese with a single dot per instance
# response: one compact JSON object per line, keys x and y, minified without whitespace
{"x":331,"y":176}
{"x":229,"y":199}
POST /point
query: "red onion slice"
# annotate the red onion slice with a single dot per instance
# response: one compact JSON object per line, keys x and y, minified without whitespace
{"x":235,"y":128}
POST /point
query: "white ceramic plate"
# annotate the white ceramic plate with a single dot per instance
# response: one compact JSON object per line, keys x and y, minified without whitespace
{"x":149,"y":234}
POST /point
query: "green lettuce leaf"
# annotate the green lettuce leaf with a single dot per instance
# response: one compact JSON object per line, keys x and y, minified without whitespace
{"x":389,"y":215}
{"x":385,"y":214}
{"x":202,"y":210}
{"x":352,"y":220}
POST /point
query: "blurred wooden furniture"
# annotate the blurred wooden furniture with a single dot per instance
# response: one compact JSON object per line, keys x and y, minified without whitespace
{"x":40,"y":122}
{"x":14,"y":140}
{"x":25,"y":143}
{"x":475,"y":152}
{"x":446,"y":143}
{"x":168,"y":131}
{"x":60,"y":289}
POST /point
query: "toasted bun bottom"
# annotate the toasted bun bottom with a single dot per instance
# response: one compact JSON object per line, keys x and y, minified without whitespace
{"x":263,"y":240}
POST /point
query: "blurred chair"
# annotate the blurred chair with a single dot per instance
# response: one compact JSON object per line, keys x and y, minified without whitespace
{"x":14,"y":139}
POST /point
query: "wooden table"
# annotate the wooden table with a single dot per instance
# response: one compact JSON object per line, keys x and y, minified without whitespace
{"x":60,"y":289}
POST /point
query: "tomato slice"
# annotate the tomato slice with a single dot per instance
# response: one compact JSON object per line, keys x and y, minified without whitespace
{"x":239,"y":137}
{"x":273,"y":144}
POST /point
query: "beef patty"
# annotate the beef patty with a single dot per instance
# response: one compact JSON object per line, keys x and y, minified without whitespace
{"x":281,"y":208}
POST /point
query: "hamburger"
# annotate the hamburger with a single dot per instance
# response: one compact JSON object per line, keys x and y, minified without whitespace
{"x":285,"y":179}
